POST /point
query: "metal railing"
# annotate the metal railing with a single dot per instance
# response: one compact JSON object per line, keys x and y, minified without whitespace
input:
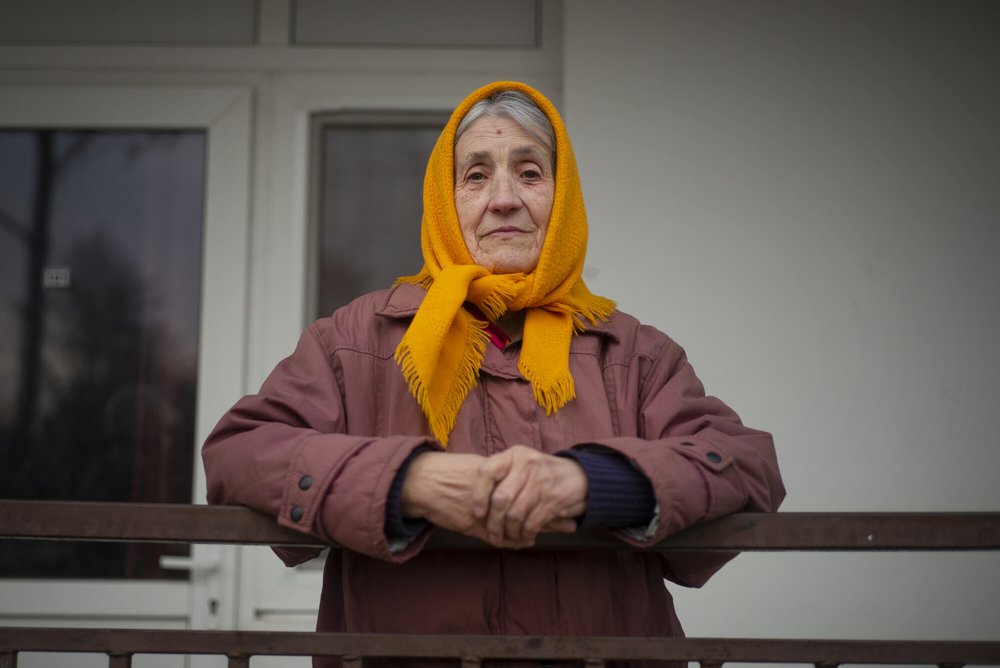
{"x":864,"y":532}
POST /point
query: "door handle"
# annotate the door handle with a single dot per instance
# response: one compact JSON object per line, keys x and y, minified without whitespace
{"x":196,"y":565}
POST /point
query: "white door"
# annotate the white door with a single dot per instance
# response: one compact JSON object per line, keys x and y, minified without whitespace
{"x":123,"y":255}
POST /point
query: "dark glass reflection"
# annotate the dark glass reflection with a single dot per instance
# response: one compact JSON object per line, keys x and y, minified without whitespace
{"x":370,"y":207}
{"x":100,"y":274}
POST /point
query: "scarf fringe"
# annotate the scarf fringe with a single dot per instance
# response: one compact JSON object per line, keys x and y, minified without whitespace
{"x":600,"y":310}
{"x":495,"y":304}
{"x":442,"y":418}
{"x":423,"y":279}
{"x":554,"y":396}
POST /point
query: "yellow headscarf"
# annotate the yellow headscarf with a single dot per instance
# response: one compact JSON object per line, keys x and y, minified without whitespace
{"x":443,"y":348}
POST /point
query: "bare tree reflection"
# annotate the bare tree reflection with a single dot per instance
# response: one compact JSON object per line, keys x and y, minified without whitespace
{"x":105,"y":403}
{"x":37,"y":239}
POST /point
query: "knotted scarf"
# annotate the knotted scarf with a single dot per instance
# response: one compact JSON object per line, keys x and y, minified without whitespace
{"x":442,"y":350}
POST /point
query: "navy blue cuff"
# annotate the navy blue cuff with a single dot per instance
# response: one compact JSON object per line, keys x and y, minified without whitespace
{"x":619,"y":494}
{"x":397,"y":526}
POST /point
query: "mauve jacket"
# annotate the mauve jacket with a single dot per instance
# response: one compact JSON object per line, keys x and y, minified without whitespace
{"x":319,"y":445}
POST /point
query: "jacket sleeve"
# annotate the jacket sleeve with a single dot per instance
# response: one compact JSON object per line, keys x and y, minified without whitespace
{"x":702,"y":461}
{"x":285,"y":451}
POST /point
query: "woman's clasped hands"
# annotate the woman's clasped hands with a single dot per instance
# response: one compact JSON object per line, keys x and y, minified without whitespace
{"x":506,"y":499}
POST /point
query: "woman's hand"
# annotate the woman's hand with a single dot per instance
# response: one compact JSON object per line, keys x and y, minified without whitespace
{"x":533,"y":492}
{"x":450,"y":491}
{"x":505,"y":500}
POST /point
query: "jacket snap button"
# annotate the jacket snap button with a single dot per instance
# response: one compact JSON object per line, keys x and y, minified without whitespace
{"x":305,"y":482}
{"x":714,"y":457}
{"x":297,"y":513}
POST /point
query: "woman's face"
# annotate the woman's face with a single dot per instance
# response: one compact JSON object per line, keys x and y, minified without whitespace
{"x":504,"y":183}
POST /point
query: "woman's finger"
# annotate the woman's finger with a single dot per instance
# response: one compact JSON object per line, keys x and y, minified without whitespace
{"x":504,"y":493}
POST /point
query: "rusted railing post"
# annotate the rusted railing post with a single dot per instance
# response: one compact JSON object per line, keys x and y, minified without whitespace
{"x":239,"y":661}
{"x":8,"y":659}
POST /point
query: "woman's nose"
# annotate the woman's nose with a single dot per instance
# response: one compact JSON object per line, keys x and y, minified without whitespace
{"x":505,"y":197}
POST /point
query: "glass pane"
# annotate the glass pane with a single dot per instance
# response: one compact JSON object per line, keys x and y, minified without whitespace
{"x":441,"y":23}
{"x":371,"y":201}
{"x":100,"y":274}
{"x":128,"y":22}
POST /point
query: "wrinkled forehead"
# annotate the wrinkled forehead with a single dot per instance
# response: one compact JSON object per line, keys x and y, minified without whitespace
{"x":497,"y":136}
{"x":507,"y":103}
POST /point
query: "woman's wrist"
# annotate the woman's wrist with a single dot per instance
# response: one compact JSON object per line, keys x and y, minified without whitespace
{"x":414,"y":491}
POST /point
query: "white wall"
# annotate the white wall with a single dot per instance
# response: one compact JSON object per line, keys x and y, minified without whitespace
{"x":805,"y":196}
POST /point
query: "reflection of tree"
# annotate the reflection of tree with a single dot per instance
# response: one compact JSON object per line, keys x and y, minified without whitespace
{"x":37,"y":239}
{"x":51,"y":165}
{"x":105,"y":405}
{"x":116,"y":418}
{"x":57,"y":155}
{"x":95,"y":331}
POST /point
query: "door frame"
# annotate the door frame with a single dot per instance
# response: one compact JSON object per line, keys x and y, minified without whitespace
{"x":224,"y":112}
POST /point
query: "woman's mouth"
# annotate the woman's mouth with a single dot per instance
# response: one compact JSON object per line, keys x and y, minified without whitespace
{"x":505,"y":232}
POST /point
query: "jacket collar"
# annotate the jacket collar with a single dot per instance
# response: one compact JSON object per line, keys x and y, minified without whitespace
{"x":403,"y":300}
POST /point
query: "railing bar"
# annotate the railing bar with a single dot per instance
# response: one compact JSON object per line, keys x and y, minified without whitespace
{"x":239,"y":661}
{"x":119,"y":660}
{"x":536,"y":648}
{"x":178,"y":523}
{"x":8,"y":659}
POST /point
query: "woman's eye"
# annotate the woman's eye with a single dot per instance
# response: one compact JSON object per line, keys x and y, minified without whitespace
{"x":477,"y":177}
{"x":531,"y":174}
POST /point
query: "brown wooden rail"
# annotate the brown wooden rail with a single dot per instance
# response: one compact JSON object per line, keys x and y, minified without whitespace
{"x":742,"y":532}
{"x":232,"y":525}
{"x":708,"y":651}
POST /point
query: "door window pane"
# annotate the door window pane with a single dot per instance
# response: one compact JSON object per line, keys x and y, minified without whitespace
{"x":100,"y":275}
{"x":370,"y":200}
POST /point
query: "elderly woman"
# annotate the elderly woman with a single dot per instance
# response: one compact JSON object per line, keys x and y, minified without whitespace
{"x":492,"y":394}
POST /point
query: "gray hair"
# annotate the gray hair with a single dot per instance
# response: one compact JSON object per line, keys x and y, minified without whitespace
{"x":518,"y":107}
